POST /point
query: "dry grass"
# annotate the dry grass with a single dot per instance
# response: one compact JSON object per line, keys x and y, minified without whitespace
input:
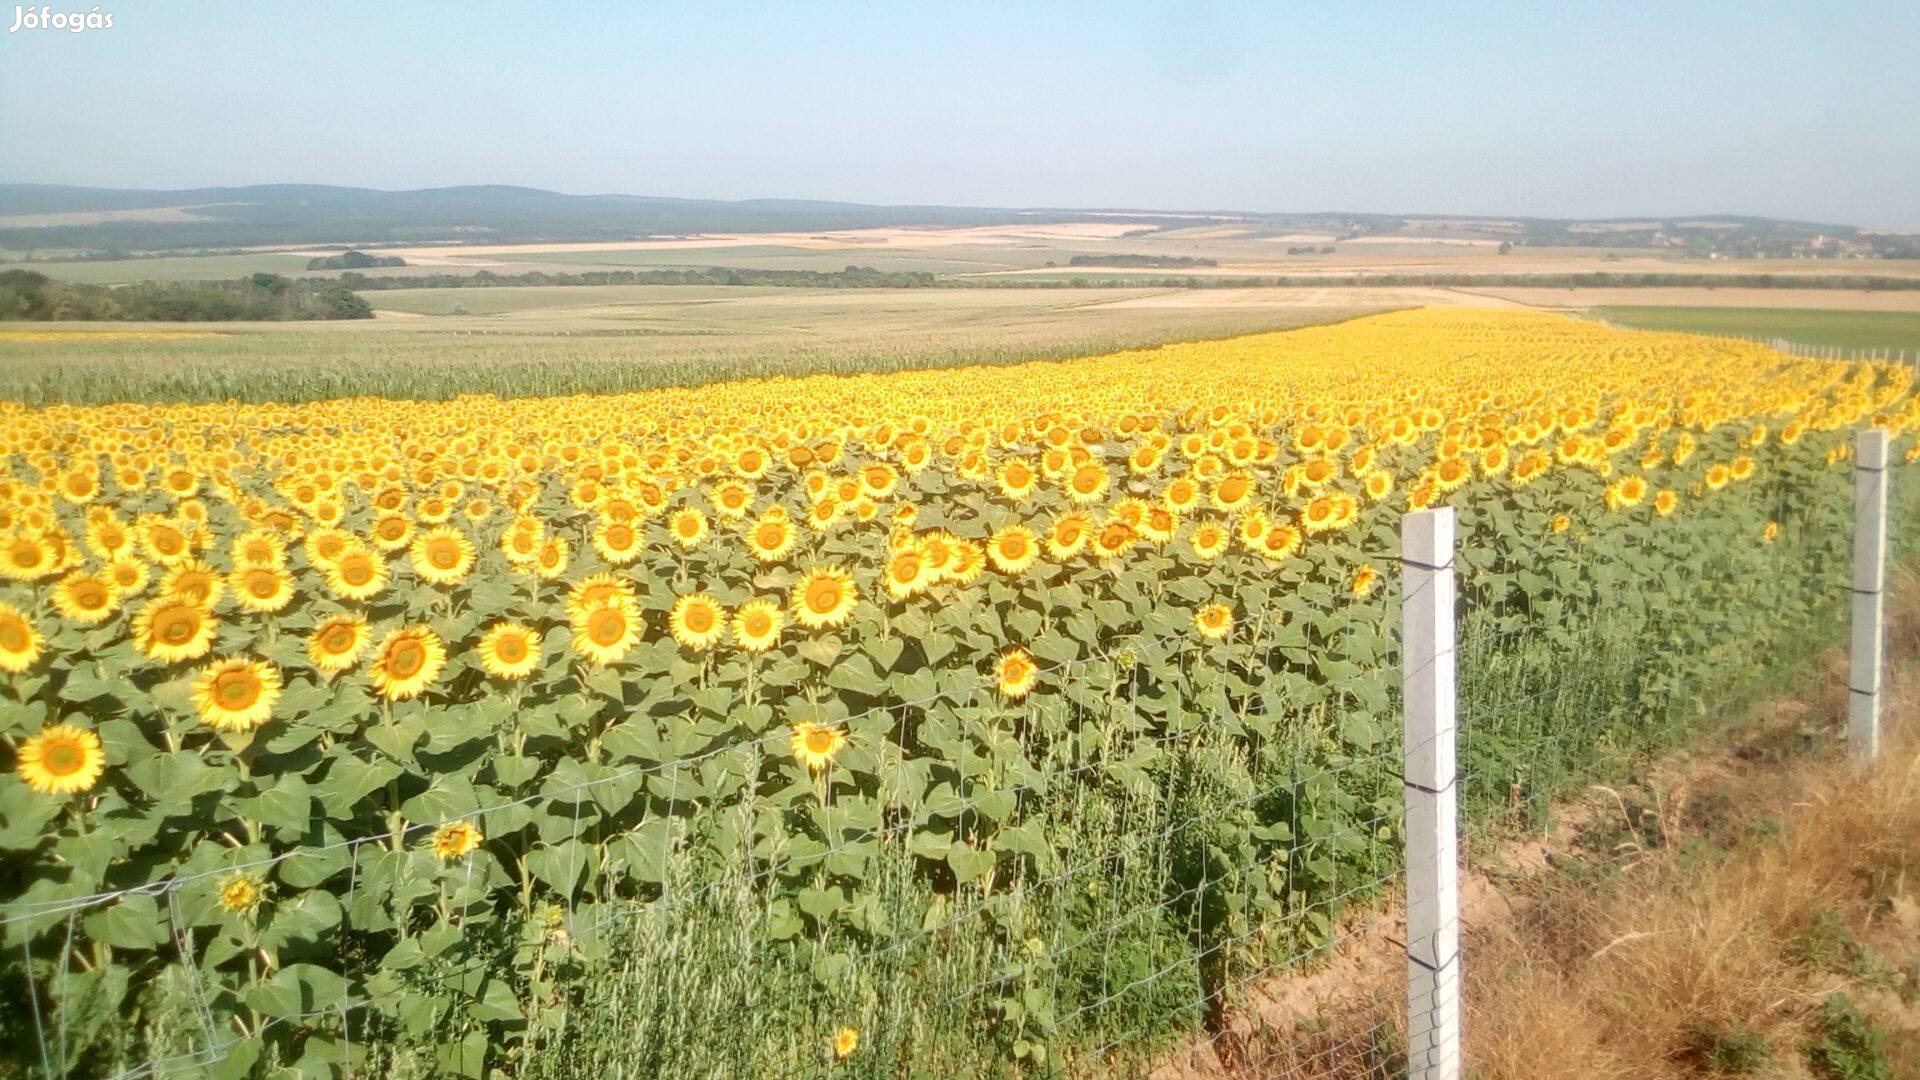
{"x":1698,"y":923}
{"x":1647,"y":971}
{"x":1722,"y":902}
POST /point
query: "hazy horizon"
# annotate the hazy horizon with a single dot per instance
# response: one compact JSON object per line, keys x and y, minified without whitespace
{"x":1580,"y":111}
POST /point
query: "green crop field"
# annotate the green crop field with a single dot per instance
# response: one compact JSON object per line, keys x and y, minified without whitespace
{"x":1842,"y":329}
{"x":534,"y":340}
{"x":168,"y":268}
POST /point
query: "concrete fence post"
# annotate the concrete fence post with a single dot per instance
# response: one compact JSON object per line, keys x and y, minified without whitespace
{"x":1432,"y":830}
{"x":1869,"y":585}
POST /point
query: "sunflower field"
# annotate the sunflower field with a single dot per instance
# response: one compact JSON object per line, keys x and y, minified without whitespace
{"x":972,"y":721}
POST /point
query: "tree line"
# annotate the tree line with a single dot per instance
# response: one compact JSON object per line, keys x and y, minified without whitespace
{"x":28,"y":295}
{"x":353,"y":260}
{"x":853,"y":277}
{"x":1150,"y":262}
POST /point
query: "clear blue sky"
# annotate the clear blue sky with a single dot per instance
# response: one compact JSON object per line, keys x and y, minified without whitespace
{"x":1554,"y":109}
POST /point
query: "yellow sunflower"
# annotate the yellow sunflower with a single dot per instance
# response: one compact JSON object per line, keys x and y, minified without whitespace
{"x":697,"y":621}
{"x":1209,"y":539}
{"x":552,"y":559}
{"x":27,"y":556}
{"x":407,"y":662}
{"x":442,"y":556}
{"x":165,"y":542}
{"x":732,"y":499}
{"x":88,"y":599}
{"x":236,"y":694}
{"x":1626,"y":492}
{"x":240,"y":893}
{"x":258,"y":547}
{"x":358,"y":574}
{"x":1279,"y":542}
{"x":771,"y":538}
{"x":194,"y":580}
{"x":824,"y":597}
{"x":815,"y":745}
{"x":757,"y":625}
{"x":109,"y":538}
{"x":262,"y":589}
{"x":335,"y":644}
{"x":1013,"y":549}
{"x":1017,"y":479}
{"x":595,"y":590}
{"x":61,"y":759}
{"x":128,"y":574}
{"x":456,"y":840}
{"x":323,"y":546}
{"x":1068,"y":536}
{"x":618,"y":542}
{"x":521,"y":542}
{"x":605,"y":634}
{"x":510,"y":650}
{"x":688,"y":527}
{"x":907,"y":572}
{"x":1231,"y":492}
{"x":1114,"y":539}
{"x":1088,"y":483}
{"x":1215,"y":621}
{"x":391,"y":532}
{"x":171,"y":629}
{"x":1015,"y":672}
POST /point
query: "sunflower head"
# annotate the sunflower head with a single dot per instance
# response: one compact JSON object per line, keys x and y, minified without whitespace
{"x":697,"y":621}
{"x":510,"y":650}
{"x":771,"y":538}
{"x":61,"y":759}
{"x":407,"y":662}
{"x":236,"y":694}
{"x":240,"y":893}
{"x":172,"y":628}
{"x":823,"y":597}
{"x":1012,"y":549}
{"x":456,"y":840}
{"x":261,"y":588}
{"x":688,"y":527}
{"x":814,"y":745}
{"x":552,"y":558}
{"x":1015,"y":673}
{"x":1213,"y":622}
{"x":88,"y":599}
{"x":442,"y":556}
{"x":607,"y":631}
{"x":757,"y":625}
{"x":335,"y":644}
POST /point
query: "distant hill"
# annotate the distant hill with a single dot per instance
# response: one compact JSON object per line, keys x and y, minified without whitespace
{"x":39,"y":216}
{"x":113,"y":222}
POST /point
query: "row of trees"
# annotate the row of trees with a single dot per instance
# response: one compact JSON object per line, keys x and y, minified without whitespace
{"x":26,"y":294}
{"x":353,"y":260}
{"x":853,"y":277}
{"x":1152,"y":262}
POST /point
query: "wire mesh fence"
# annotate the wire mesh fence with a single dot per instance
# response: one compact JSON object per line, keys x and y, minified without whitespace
{"x":1136,"y":864}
